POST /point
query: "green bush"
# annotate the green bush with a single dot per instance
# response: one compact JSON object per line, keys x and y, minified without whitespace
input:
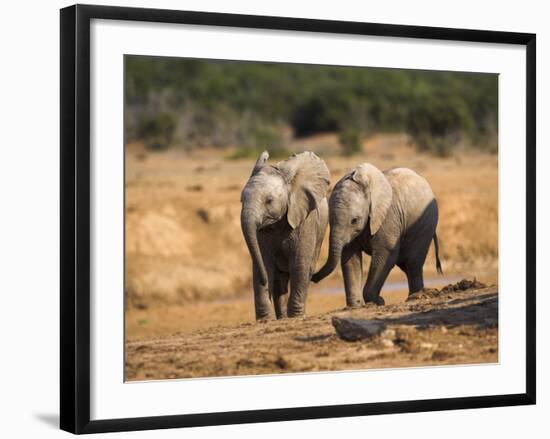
{"x":258,"y":135}
{"x":350,"y":139}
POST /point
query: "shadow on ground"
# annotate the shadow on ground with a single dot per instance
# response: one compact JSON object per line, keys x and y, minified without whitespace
{"x":49,"y":419}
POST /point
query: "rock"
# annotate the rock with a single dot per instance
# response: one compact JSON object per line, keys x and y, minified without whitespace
{"x":357,"y":329}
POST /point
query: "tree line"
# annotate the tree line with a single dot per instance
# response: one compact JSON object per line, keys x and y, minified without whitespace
{"x":192,"y":103}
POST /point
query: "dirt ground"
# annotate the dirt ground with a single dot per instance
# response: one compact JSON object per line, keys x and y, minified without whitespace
{"x":437,"y":327}
{"x":188,"y":271}
{"x":160,"y":321}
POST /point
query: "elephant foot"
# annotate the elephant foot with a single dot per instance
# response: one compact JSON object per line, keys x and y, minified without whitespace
{"x":354,"y":304}
{"x":262,"y":318}
{"x":379,"y":301}
{"x":296,"y":314}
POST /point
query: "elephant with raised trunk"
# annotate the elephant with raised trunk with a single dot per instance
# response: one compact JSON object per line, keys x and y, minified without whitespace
{"x":390,"y":215}
{"x":284,"y":218}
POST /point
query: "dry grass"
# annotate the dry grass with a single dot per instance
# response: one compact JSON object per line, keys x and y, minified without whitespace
{"x":183,"y":239}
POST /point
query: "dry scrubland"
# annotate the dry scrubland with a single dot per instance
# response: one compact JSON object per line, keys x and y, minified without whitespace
{"x":187,"y":266}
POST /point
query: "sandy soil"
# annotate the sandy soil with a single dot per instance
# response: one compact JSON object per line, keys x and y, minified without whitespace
{"x":454,"y":325}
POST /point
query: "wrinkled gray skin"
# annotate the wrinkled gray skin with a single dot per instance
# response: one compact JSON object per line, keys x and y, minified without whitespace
{"x":284,"y":217}
{"x":391,"y":216}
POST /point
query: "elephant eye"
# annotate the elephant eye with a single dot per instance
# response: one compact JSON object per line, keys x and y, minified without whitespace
{"x":268,"y":200}
{"x":354,"y":221}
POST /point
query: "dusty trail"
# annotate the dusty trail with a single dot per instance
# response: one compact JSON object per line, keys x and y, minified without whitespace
{"x":457,"y":325}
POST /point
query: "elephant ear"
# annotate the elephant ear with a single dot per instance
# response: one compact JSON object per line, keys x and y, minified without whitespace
{"x":379,"y":191}
{"x":260,"y":163}
{"x":308,"y":178}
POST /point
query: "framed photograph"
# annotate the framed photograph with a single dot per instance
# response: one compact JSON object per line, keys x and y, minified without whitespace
{"x":268,"y":219}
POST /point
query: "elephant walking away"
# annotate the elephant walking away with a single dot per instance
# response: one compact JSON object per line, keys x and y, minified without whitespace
{"x":390,"y":215}
{"x":284,"y":218}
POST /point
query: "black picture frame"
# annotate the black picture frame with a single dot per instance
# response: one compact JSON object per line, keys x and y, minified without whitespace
{"x":75,"y":217}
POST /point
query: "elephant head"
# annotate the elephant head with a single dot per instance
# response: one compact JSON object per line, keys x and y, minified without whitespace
{"x":361,"y":197}
{"x":290,"y":189}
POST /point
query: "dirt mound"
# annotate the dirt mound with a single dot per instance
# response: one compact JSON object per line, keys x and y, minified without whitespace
{"x":462,"y":285}
{"x":458,"y":327}
{"x":157,"y":234}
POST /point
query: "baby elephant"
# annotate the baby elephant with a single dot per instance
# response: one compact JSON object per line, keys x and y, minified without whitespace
{"x":390,"y":215}
{"x":284,"y":218}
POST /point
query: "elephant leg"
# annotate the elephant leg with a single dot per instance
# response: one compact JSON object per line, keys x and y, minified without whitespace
{"x":300,"y":269}
{"x":382,"y":261}
{"x":415,"y":253}
{"x":299,"y":283}
{"x":280,"y":294}
{"x":352,"y":270}
{"x":300,"y":275}
{"x":262,"y":304}
{"x":415,"y":278}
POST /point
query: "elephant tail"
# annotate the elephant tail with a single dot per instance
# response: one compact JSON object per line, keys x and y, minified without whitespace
{"x":437,"y":260}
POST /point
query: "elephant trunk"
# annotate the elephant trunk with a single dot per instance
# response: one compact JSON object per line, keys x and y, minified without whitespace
{"x":334,"y":255}
{"x":250,"y":231}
